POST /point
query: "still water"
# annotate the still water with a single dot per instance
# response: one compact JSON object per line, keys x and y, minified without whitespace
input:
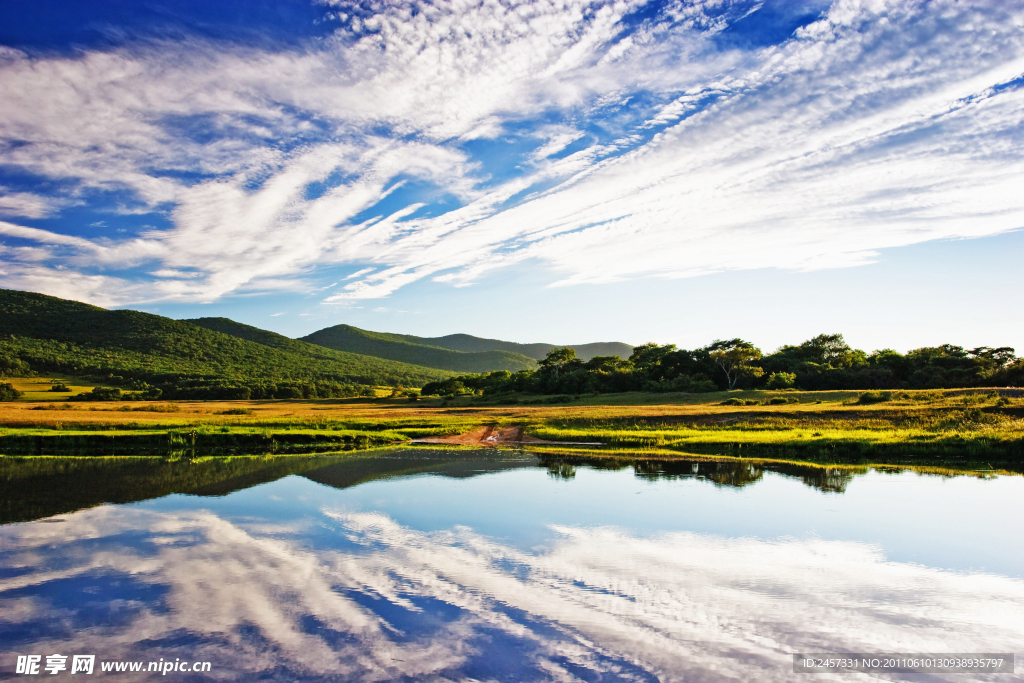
{"x":435,"y":565}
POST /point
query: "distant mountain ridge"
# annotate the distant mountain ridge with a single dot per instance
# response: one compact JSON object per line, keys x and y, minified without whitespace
{"x":455,"y":352}
{"x":469,"y":343}
{"x":399,"y":348}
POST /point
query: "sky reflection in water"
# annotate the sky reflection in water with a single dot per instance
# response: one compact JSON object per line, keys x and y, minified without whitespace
{"x":522,"y":573}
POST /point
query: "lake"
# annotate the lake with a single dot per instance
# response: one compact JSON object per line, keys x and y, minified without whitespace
{"x":483,"y":565}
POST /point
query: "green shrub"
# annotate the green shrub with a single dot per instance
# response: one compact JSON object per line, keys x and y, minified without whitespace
{"x":875,"y":397}
{"x":781,"y":380}
{"x":8,"y":392}
{"x":237,"y":411}
{"x":60,"y":386}
{"x":742,"y":402}
{"x":777,"y":401}
{"x":100,"y":394}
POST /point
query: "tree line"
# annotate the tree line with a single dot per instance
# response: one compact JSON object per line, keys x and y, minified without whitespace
{"x":825,"y":362}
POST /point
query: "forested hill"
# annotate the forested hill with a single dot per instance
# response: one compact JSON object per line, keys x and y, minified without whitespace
{"x":469,"y":343}
{"x":465,"y":353}
{"x":398,"y":348}
{"x":58,"y":335}
{"x":264,"y":337}
{"x":307,"y":349}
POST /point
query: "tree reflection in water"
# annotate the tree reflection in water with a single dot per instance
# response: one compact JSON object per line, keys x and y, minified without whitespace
{"x":731,"y":472}
{"x":33,"y":488}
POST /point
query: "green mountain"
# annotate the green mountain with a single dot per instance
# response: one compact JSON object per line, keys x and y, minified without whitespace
{"x":398,"y":348}
{"x":264,"y":337}
{"x":126,"y":346}
{"x":471,"y":344}
{"x":457,"y":352}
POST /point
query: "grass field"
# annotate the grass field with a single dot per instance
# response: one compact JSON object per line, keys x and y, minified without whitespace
{"x":38,"y":388}
{"x":922,"y":426}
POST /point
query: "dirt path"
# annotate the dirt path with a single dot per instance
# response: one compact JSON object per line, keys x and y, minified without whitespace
{"x":496,"y":436}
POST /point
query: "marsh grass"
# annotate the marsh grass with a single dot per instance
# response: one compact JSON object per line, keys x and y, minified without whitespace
{"x":151,"y":408}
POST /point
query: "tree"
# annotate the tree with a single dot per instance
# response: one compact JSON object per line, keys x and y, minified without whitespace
{"x":556,"y":359}
{"x":998,"y":357}
{"x":828,"y":349}
{"x":8,"y":392}
{"x":650,"y":354}
{"x":781,"y":380}
{"x":13,"y":367}
{"x":608,"y":364}
{"x":734,"y":358}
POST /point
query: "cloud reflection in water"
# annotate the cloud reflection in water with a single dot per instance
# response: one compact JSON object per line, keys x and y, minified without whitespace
{"x":387,"y":601}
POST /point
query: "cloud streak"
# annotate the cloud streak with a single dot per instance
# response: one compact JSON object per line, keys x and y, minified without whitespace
{"x":607,"y":140}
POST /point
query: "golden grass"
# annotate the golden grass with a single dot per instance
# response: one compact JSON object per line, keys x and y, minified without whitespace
{"x":38,"y":388}
{"x":835,"y":405}
{"x":940,"y":420}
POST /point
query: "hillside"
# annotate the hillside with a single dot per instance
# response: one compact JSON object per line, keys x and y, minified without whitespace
{"x":469,"y":343}
{"x":65,"y":336}
{"x":397,"y":348}
{"x":250,"y":333}
{"x":476,"y":354}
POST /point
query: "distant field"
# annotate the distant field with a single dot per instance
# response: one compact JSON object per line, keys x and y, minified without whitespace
{"x":38,"y":388}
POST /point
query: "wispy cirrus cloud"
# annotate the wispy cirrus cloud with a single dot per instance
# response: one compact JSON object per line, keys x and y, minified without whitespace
{"x":25,"y":204}
{"x":425,"y":140}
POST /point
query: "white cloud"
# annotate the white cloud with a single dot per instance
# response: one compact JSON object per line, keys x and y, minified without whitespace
{"x":815,"y":160}
{"x":558,"y":138}
{"x":45,"y":236}
{"x":99,"y":290}
{"x":25,"y":204}
{"x":882,"y":124}
{"x":169,"y":272}
{"x":359,"y":273}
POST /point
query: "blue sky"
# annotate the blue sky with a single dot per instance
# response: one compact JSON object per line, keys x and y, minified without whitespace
{"x":564,"y":171}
